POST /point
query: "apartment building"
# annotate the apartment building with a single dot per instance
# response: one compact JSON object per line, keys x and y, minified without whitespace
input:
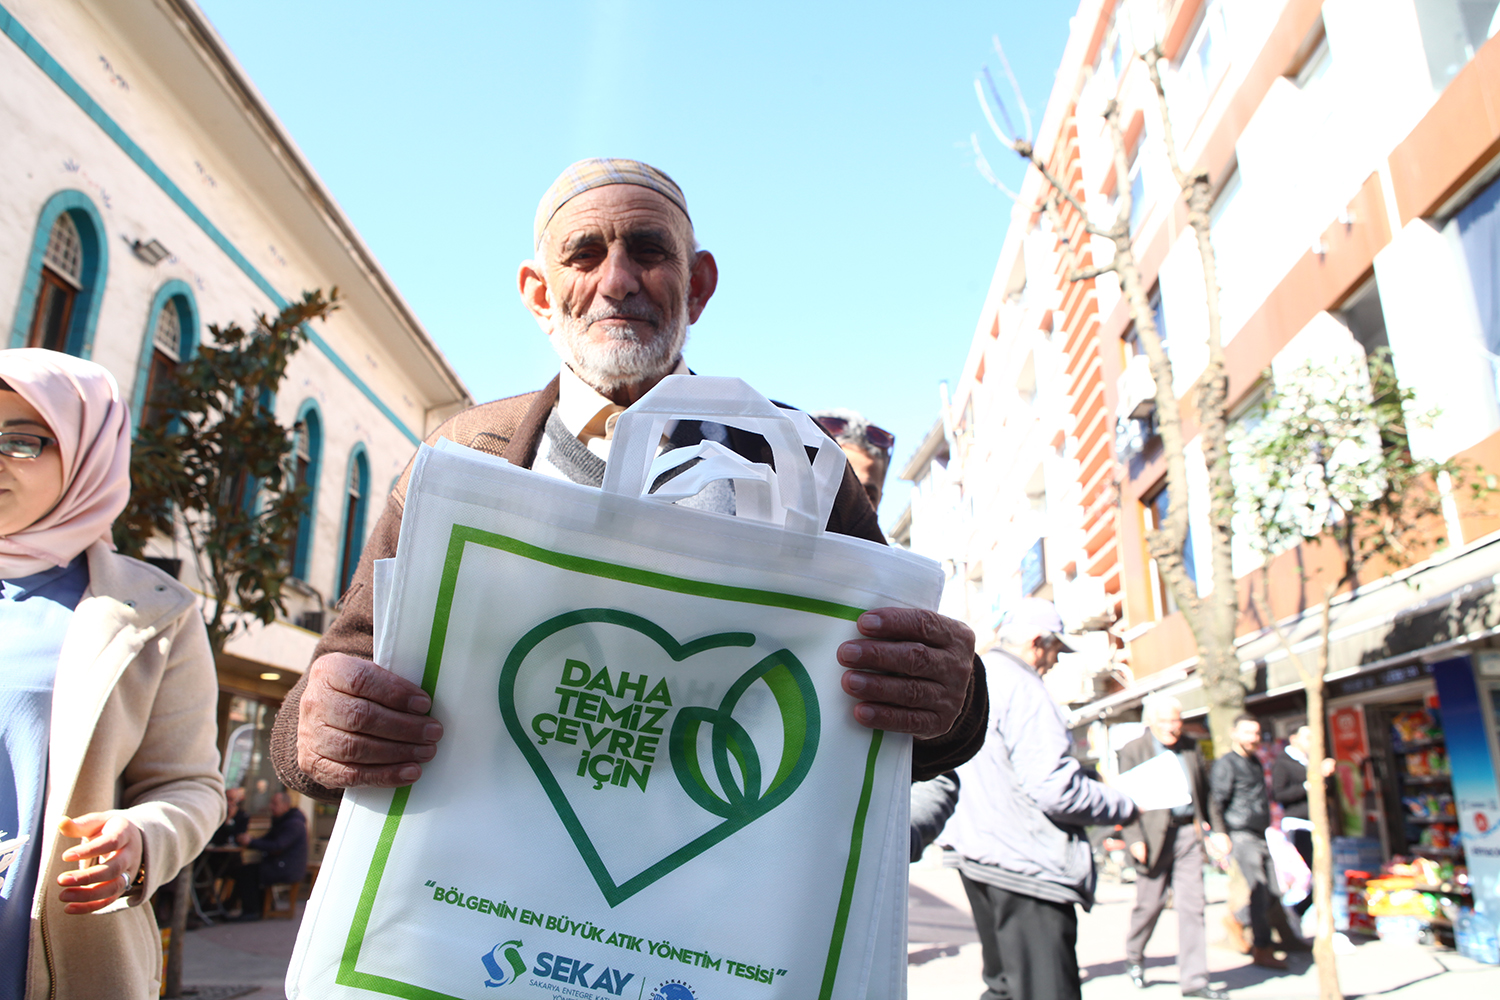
{"x":1353,"y":147}
{"x":149,"y":192}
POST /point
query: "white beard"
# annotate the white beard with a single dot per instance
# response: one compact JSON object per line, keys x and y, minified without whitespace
{"x":624,"y":358}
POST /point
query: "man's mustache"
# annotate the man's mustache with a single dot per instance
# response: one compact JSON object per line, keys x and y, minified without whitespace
{"x":643,"y":311}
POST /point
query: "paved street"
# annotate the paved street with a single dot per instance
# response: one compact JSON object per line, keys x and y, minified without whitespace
{"x":944,"y":956}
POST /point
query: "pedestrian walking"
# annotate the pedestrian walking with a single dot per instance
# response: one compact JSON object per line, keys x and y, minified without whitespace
{"x":1289,"y":787}
{"x":1240,"y":810}
{"x":1018,"y":831}
{"x":1167,"y":845}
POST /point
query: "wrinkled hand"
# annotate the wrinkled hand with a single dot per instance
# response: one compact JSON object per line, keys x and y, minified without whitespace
{"x":359,"y":724}
{"x":113,"y":843}
{"x":1138,"y":851}
{"x":911,"y":671}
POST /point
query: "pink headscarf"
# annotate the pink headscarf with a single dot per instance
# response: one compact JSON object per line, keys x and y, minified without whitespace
{"x":81,"y":403}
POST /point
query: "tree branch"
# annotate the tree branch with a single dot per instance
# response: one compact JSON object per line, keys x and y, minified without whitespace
{"x":1085,"y":273}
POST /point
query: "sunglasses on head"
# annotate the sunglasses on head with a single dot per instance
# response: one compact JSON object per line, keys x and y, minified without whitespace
{"x":878,"y":436}
{"x":16,"y":445}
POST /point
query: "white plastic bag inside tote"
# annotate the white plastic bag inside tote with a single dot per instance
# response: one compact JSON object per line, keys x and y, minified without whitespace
{"x":650,"y":782}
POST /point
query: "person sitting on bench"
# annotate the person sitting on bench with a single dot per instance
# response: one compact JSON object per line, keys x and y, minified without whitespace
{"x":285,"y":855}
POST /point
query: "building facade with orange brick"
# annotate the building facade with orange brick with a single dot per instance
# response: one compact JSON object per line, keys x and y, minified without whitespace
{"x":1354,"y":147}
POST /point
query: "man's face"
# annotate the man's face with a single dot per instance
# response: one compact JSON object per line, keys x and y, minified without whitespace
{"x":1246,"y":736}
{"x":1166,"y":726}
{"x":617,"y":285}
{"x":1299,"y":739}
{"x":280,"y":803}
{"x":870,"y":471}
{"x":1045,"y":649}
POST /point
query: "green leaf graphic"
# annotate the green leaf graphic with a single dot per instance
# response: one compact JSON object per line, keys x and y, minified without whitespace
{"x":743,"y":801}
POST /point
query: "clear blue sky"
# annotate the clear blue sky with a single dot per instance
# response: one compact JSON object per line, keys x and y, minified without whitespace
{"x":823,"y":148}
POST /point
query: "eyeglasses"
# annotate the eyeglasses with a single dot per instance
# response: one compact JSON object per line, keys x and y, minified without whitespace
{"x":878,"y":436}
{"x":15,"y":445}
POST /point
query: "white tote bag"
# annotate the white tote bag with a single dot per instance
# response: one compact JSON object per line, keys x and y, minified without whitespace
{"x":650,"y":784}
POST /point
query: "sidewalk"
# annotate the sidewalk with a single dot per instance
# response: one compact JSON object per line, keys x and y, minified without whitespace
{"x":944,"y":958}
{"x":239,"y":960}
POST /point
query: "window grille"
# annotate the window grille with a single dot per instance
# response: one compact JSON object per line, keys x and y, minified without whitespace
{"x":65,"y":250}
{"x":168,"y":334}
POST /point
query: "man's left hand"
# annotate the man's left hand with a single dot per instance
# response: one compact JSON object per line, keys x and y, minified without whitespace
{"x":910,"y":671}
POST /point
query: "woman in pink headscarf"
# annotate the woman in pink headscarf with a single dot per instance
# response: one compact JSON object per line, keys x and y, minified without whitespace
{"x":109,"y":781}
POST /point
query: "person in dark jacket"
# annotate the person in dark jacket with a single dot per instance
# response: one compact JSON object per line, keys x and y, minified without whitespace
{"x":284,"y":850}
{"x":1167,"y":845}
{"x":236,"y":819}
{"x":1289,"y":787}
{"x":1240,"y":809}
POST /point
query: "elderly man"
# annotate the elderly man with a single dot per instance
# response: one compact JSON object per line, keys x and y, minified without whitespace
{"x":1167,"y":845}
{"x":283,"y":856}
{"x":615,"y":281}
{"x":1019,"y":827}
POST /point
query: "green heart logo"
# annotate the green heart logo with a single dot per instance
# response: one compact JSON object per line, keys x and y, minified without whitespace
{"x":743,"y":800}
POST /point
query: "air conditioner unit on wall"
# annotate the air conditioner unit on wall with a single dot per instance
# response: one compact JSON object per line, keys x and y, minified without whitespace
{"x":1136,"y":389}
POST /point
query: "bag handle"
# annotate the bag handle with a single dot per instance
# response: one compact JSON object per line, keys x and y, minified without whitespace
{"x":806,"y":490}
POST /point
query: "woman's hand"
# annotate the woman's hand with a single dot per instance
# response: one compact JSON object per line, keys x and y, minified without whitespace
{"x":114,"y":844}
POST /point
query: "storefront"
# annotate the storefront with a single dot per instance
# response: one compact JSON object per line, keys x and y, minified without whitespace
{"x":1413,"y":713}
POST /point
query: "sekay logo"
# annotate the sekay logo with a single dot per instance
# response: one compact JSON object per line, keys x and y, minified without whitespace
{"x":580,"y":973}
{"x":508,"y":952}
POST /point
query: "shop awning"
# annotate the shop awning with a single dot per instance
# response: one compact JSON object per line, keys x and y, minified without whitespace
{"x":1427,"y":610}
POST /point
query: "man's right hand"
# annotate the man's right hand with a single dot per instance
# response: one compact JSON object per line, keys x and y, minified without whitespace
{"x":1220,"y":846}
{"x":361,"y":725}
{"x":1138,"y":851}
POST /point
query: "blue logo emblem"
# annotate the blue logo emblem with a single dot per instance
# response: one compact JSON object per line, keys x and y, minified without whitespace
{"x":674,"y":989}
{"x":507,"y":953}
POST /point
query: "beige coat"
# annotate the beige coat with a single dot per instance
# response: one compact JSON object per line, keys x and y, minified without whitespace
{"x":134,"y":710}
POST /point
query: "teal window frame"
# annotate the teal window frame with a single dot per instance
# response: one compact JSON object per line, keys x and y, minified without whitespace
{"x":358,"y":466}
{"x":181,"y":293}
{"x":310,"y":416}
{"x":91,"y":237}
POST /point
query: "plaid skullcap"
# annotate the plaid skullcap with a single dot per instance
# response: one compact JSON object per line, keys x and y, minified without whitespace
{"x":585,"y":175}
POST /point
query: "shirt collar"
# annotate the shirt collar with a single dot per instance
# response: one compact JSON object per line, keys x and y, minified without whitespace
{"x":585,"y":412}
{"x":22,"y":587}
{"x":1296,"y":755}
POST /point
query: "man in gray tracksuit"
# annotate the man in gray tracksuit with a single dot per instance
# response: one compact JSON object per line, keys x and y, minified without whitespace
{"x":1018,"y":831}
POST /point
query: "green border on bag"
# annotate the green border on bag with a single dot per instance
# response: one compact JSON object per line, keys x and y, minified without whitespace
{"x":460,"y":538}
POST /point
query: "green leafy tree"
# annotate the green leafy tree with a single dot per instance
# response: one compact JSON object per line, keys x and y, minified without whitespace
{"x":211,"y":464}
{"x":1326,"y":458}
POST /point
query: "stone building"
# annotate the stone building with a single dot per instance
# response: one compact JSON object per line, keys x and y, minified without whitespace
{"x":149,"y":192}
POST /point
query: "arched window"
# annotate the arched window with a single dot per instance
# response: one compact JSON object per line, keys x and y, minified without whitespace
{"x":356,"y":502}
{"x":307,"y":447}
{"x":62,"y":273}
{"x":171,"y":339}
{"x":59,"y":301}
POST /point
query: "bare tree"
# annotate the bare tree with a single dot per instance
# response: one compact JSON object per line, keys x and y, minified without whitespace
{"x":1212,"y":617}
{"x":1328,"y":460}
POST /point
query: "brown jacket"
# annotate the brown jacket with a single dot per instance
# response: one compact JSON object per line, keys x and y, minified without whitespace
{"x":1152,"y":825}
{"x":512,"y":428}
{"x":134,"y":722}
